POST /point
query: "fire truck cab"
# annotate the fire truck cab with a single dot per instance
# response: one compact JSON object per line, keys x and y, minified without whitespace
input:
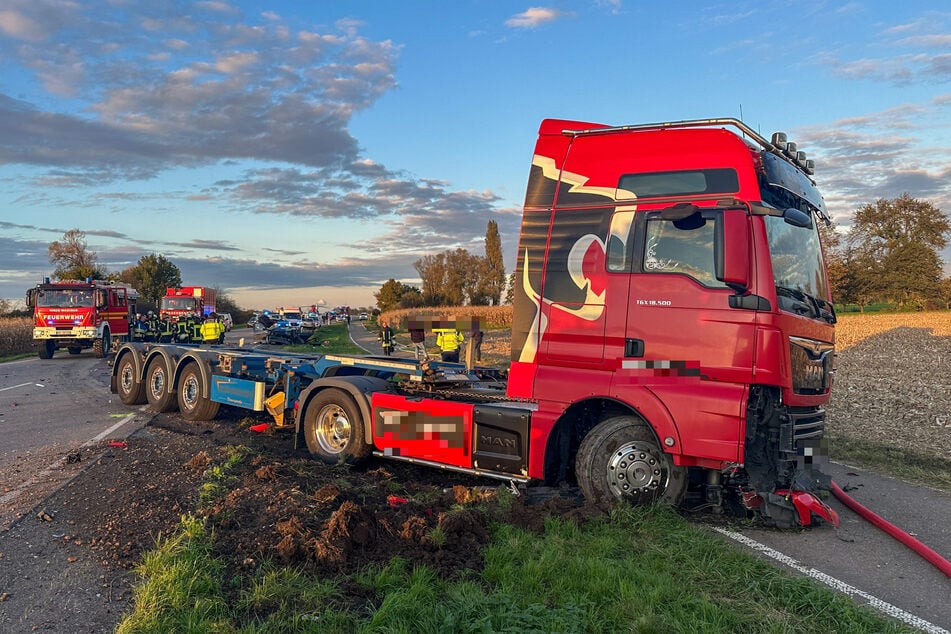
{"x":79,"y":314}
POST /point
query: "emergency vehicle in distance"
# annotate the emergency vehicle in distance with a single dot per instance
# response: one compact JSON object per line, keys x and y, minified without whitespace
{"x":672,"y":337}
{"x":79,"y":314}
{"x":187,"y":300}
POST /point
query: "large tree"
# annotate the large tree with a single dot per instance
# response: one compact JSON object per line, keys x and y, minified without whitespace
{"x":450,"y":278}
{"x":151,"y":276}
{"x":392,"y":293}
{"x":73,"y":259}
{"x":492,"y":275}
{"x":896,"y":245}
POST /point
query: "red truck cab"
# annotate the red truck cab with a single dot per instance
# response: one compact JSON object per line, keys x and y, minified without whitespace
{"x":78,"y":314}
{"x":179,"y":302}
{"x":672,"y":311}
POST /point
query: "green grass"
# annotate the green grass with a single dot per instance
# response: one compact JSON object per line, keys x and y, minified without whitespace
{"x":332,"y":339}
{"x":641,"y":570}
{"x":904,"y":464}
{"x":16,"y":357}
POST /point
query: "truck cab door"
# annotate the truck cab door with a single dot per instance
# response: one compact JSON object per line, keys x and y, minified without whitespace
{"x":683,"y":341}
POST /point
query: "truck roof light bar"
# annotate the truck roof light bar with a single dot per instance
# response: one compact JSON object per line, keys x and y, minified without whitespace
{"x":779,"y":144}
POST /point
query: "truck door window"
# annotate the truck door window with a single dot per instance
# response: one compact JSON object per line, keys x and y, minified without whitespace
{"x":687,"y":251}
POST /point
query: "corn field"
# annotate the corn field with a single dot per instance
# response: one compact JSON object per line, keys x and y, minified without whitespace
{"x":16,"y":335}
{"x":490,"y":317}
{"x":854,"y":328}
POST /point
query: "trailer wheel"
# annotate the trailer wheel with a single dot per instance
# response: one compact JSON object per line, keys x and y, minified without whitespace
{"x":620,"y":459}
{"x":131,"y":389}
{"x":47,"y":349}
{"x":192,"y":405}
{"x":156,"y":387}
{"x":333,"y":428}
{"x":103,"y":345}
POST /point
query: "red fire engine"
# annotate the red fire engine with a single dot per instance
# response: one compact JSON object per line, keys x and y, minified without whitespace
{"x":198,"y":301}
{"x":76,"y":314}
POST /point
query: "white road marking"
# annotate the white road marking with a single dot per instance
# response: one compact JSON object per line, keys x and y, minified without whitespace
{"x":13,"y":387}
{"x":835,"y":584}
{"x":11,"y":495}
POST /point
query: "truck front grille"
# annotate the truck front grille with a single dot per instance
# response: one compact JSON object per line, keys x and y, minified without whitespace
{"x":812,"y":365}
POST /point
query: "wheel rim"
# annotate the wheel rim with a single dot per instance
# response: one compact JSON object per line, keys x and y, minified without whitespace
{"x":635,"y":469}
{"x":190,"y":392}
{"x":333,"y":429}
{"x":127,"y":378}
{"x":157,"y":383}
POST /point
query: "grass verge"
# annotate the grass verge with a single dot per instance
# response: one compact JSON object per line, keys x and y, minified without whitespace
{"x":904,"y":464}
{"x":639,"y":570}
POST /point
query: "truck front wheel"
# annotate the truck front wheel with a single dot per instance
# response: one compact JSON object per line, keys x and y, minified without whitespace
{"x":156,"y":387}
{"x":47,"y":348}
{"x":192,"y":404}
{"x":103,"y":345}
{"x":333,"y":428}
{"x":620,"y":459}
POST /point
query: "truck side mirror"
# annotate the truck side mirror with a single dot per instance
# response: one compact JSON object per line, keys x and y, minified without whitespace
{"x":731,"y":248}
{"x":797,"y":218}
{"x":31,"y":298}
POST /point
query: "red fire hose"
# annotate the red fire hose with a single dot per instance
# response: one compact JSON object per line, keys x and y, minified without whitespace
{"x":928,"y":554}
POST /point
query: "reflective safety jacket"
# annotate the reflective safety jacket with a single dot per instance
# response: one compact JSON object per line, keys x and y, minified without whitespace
{"x":448,"y":340}
{"x":212,"y":330}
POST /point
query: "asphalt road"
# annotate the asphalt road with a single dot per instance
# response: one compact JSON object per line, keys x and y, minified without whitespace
{"x":51,"y":409}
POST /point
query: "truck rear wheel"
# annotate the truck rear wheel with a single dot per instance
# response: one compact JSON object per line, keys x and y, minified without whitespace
{"x":103,"y":345}
{"x":131,"y":389}
{"x":620,"y":459}
{"x":157,"y":381}
{"x":333,"y":428}
{"x":46,"y":350}
{"x":192,"y":405}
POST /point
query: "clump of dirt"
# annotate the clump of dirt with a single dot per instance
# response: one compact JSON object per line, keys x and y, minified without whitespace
{"x":280,"y":505}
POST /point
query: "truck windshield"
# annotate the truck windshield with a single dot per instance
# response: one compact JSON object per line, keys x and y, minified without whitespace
{"x":179,"y":303}
{"x":64,"y":298}
{"x":798,"y":268}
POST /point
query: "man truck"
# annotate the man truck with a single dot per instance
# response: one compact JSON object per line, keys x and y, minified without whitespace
{"x":672,"y":339}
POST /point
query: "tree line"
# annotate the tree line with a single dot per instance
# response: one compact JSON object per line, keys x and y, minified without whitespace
{"x":890,"y":255}
{"x":453,"y":277}
{"x":150,"y":276}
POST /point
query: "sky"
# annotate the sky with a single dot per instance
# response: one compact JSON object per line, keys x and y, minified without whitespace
{"x":292,"y":153}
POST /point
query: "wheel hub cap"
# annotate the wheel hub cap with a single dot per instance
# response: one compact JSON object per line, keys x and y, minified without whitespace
{"x":634,"y":469}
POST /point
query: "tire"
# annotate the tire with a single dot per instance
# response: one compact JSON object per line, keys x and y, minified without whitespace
{"x":131,"y":389}
{"x":620,"y":459}
{"x":334,"y":429}
{"x":157,"y":379}
{"x":191,"y":404}
{"x":75,"y":350}
{"x":102,"y":346}
{"x":46,"y":350}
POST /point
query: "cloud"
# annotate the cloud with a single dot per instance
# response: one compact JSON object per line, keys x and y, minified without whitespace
{"x":188,"y":90}
{"x":880,"y":155}
{"x":910,"y":53}
{"x":534,"y":17}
